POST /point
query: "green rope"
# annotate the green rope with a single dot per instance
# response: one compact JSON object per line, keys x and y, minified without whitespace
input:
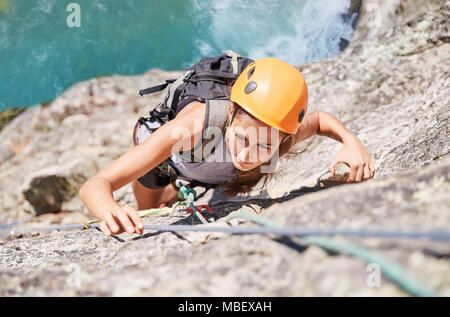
{"x":393,"y":271}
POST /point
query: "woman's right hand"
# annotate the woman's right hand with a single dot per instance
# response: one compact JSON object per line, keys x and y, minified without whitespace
{"x":121,"y":219}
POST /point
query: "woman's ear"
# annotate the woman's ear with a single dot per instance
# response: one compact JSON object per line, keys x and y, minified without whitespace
{"x":233,"y":110}
{"x":230,"y":111}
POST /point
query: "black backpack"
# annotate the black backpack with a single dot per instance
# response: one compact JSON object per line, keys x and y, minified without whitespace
{"x":209,"y":78}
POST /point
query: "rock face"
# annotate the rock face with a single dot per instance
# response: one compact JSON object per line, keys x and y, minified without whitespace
{"x":390,"y":87}
{"x":47,"y":189}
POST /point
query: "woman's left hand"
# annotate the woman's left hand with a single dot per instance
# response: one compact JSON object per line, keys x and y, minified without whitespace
{"x":354,"y":155}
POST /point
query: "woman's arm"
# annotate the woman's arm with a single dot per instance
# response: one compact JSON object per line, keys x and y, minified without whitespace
{"x":97,"y":192}
{"x":331,"y":127}
{"x":353,"y":153}
{"x":308,"y":127}
{"x":322,"y":123}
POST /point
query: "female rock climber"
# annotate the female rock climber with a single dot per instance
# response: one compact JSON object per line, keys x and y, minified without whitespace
{"x":267,"y":115}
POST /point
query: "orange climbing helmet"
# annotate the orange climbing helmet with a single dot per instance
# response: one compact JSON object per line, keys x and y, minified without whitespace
{"x":274,"y":92}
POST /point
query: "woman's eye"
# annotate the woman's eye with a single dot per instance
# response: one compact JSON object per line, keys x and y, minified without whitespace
{"x":239,"y":136}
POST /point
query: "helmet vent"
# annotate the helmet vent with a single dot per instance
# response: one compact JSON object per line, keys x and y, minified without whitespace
{"x":301,"y":115}
{"x":251,"y":86}
{"x":250,"y":72}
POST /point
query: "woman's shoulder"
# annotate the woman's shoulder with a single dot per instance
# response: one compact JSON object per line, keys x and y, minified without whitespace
{"x":194,"y":109}
{"x":192,"y":117}
{"x":186,"y":102}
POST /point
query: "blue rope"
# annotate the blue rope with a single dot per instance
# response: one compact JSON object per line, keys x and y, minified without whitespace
{"x":438,"y":235}
{"x":391,"y":270}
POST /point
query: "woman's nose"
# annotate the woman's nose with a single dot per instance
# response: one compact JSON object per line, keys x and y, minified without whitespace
{"x":247,"y":154}
{"x":243,"y":155}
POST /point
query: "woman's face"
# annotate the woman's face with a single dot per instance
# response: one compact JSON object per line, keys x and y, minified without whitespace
{"x":250,"y":141}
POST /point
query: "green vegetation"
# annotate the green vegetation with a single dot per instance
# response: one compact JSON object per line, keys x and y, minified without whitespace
{"x":5,"y":6}
{"x":355,"y":6}
{"x":8,"y":115}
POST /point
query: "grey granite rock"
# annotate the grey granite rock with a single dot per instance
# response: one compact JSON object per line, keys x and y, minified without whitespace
{"x":47,"y":189}
{"x":390,"y":87}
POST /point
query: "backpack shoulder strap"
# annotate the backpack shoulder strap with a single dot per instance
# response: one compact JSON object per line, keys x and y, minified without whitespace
{"x":165,"y":111}
{"x":216,"y":116}
{"x":173,"y":96}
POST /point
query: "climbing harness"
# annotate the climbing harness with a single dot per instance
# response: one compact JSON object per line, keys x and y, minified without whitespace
{"x":189,"y":195}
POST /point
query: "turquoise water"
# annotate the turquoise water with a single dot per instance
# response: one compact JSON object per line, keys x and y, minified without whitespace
{"x":40,"y":56}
